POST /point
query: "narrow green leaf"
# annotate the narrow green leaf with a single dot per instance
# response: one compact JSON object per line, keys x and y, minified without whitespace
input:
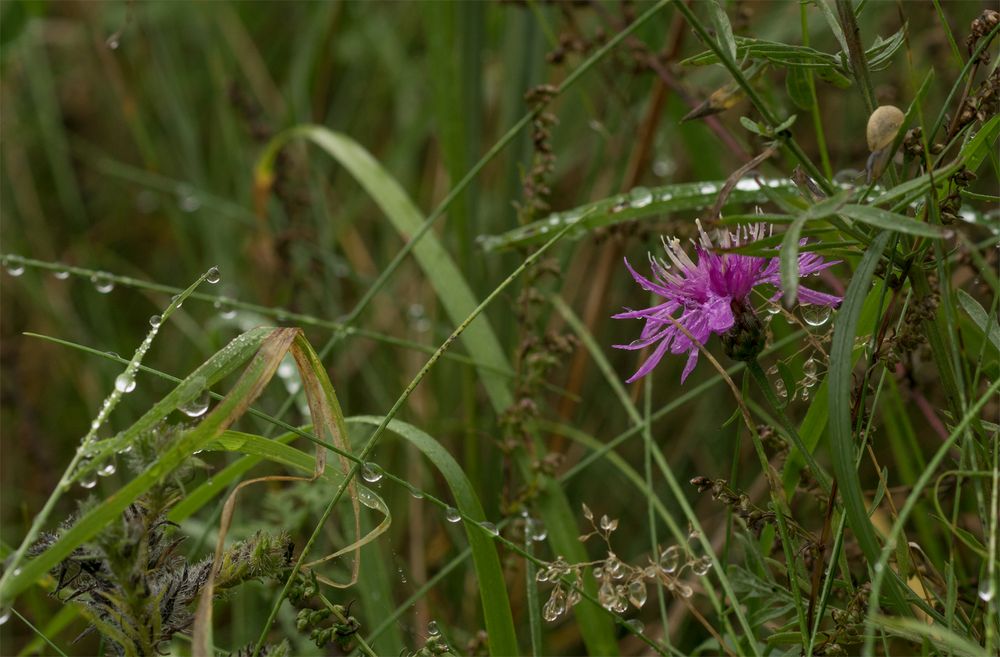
{"x":797,"y":86}
{"x":892,"y":221}
{"x":789,"y":254}
{"x":941,"y":637}
{"x":842,"y":447}
{"x":724,"y":28}
{"x":988,"y":325}
{"x":976,"y":149}
{"x":444,"y":275}
{"x":492,"y":587}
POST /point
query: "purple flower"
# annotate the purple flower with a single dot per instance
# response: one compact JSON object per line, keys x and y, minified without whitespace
{"x":710,"y":295}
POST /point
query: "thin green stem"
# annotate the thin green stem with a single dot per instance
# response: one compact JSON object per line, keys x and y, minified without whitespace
{"x":818,"y":472}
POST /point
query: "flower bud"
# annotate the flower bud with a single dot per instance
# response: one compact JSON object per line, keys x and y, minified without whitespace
{"x":746,"y":339}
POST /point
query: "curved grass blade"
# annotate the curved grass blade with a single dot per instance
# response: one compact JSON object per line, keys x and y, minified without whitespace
{"x":444,"y":275}
{"x":492,"y":587}
{"x":637,"y":204}
{"x":842,"y":448}
{"x":221,"y":364}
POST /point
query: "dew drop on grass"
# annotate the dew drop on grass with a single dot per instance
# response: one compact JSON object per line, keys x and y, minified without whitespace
{"x":772,"y":309}
{"x":113,"y":42}
{"x":4,"y":615}
{"x":155,"y":321}
{"x":433,"y":629}
{"x":637,"y":593}
{"x":816,"y":314}
{"x":14,"y":268}
{"x":640,"y":197}
{"x":537,"y":530}
{"x":986,"y":590}
{"x":107,"y":469}
{"x":779,"y":387}
{"x":809,"y":367}
{"x":213,"y":276}
{"x":61,"y":274}
{"x":371,"y":472}
{"x":701,"y":566}
{"x":416,"y":493}
{"x":187,"y":199}
{"x":124,"y":383}
{"x":226,"y":311}
{"x":636,"y":625}
{"x":88,"y":481}
{"x":670,"y":559}
{"x":196,"y":406}
{"x":490,"y":528}
{"x":102,"y":282}
{"x":451,"y":514}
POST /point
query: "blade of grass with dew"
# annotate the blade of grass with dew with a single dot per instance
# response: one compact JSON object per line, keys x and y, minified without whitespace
{"x":842,"y":445}
{"x":492,"y":587}
{"x":123,"y":383}
{"x":789,"y":253}
{"x":442,"y":272}
{"x":92,"y":522}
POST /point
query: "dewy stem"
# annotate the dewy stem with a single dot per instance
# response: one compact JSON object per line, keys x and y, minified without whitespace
{"x":377,"y":434}
{"x":758,"y":374}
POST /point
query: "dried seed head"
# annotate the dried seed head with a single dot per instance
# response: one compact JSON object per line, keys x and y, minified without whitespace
{"x":883,"y":125}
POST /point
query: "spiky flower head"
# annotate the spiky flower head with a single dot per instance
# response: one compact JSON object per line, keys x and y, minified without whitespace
{"x":711,"y":294}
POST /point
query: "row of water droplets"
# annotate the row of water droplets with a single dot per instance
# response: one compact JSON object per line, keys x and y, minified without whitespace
{"x":125,"y":383}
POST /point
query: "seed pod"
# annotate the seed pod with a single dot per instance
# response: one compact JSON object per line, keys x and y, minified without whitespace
{"x":883,"y":125}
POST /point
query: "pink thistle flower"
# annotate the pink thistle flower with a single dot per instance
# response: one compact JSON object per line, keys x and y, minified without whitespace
{"x":712,"y":295}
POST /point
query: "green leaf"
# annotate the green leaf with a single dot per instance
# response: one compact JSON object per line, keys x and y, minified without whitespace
{"x":789,"y":254}
{"x":755,"y":127}
{"x":489,"y":575}
{"x":797,"y":86}
{"x":979,"y":147}
{"x":444,"y":275}
{"x":724,"y":28}
{"x":842,"y":447}
{"x":92,"y":522}
{"x":988,"y":325}
{"x":892,"y":221}
{"x":941,"y":637}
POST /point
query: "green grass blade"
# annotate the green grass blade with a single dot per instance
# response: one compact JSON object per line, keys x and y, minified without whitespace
{"x":842,"y":447}
{"x":442,"y":272}
{"x":492,"y":587}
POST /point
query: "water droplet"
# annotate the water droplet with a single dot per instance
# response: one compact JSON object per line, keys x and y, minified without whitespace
{"x":670,"y":559}
{"x":684,"y":590}
{"x":14,"y":268}
{"x":640,"y":197}
{"x":107,"y":469}
{"x":416,"y":493}
{"x":636,"y":625}
{"x":113,"y":42}
{"x":779,"y":387}
{"x":701,"y":566}
{"x":368,"y":498}
{"x":621,"y":204}
{"x":371,"y":472}
{"x":637,"y":593}
{"x":4,"y":615}
{"x":986,"y":591}
{"x":555,"y":606}
{"x":490,"y":528}
{"x":187,"y":198}
{"x":433,"y":629}
{"x":155,"y":321}
{"x":663,"y":167}
{"x":451,"y":514}
{"x":809,"y":367}
{"x":536,"y":530}
{"x":88,"y":481}
{"x":772,"y":309}
{"x":61,"y":274}
{"x":102,"y":282}
{"x":708,"y":188}
{"x":196,"y":406}
{"x":125,"y":383}
{"x":226,"y":311}
{"x":816,"y":314}
{"x":213,"y":276}
{"x":177,"y":301}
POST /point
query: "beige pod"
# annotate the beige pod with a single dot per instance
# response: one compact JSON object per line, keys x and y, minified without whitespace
{"x":883,"y":126}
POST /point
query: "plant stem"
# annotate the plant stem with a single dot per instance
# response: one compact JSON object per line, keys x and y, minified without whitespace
{"x":758,"y":374}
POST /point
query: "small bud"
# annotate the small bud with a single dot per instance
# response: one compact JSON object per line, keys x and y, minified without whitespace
{"x":747,"y":338}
